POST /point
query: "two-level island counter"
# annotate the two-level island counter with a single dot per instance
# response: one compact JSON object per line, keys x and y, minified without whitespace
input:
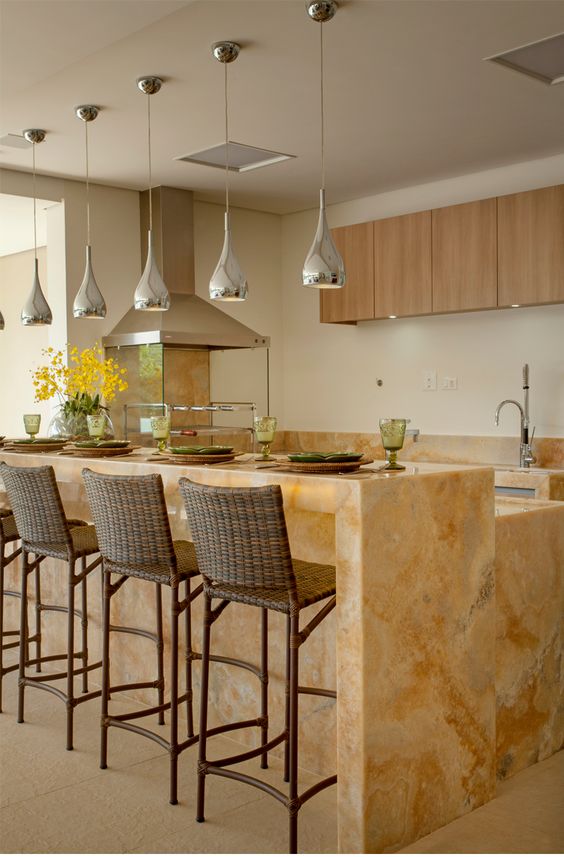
{"x":411,"y":647}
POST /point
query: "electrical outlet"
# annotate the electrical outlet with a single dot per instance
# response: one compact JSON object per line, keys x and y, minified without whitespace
{"x":449,"y":384}
{"x":429,"y":379}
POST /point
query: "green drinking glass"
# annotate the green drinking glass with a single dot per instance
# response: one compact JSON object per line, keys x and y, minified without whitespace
{"x":31,"y":424}
{"x":265,"y":429}
{"x":160,"y":427}
{"x":393,"y":434}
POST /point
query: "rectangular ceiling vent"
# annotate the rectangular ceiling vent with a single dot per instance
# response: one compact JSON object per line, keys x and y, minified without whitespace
{"x":542,"y":60}
{"x":15,"y":141}
{"x":241,"y":157}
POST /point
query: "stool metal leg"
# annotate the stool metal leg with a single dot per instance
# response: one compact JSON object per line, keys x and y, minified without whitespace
{"x":84,"y":628}
{"x":287,"y":706}
{"x":160,"y":652}
{"x":208,"y":619}
{"x":107,"y":589}
{"x":37,"y":619}
{"x":264,"y":685}
{"x":70,"y":657}
{"x":1,"y":625}
{"x":23,"y":636}
{"x":293,"y":791}
{"x":188,"y":668}
{"x":174,"y":609}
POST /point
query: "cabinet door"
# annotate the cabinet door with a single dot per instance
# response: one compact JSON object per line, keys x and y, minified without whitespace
{"x":402,"y":265}
{"x":355,"y":301}
{"x":465,"y":256}
{"x":531,"y":247}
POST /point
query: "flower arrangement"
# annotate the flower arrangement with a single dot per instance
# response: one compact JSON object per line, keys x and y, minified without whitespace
{"x":83,"y":383}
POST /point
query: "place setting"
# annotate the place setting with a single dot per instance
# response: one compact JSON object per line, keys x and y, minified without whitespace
{"x":32,"y":445}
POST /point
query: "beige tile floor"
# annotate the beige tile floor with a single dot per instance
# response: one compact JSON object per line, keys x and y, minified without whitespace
{"x":54,"y":801}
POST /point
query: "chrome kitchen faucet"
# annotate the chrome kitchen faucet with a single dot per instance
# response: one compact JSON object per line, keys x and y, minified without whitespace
{"x":526,"y":457}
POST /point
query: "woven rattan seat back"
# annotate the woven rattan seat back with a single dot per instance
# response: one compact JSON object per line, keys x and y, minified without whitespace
{"x":131,"y":521}
{"x":37,"y":506}
{"x":240,"y":535}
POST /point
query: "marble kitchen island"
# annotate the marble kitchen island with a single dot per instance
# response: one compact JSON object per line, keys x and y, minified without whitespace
{"x":411,"y":645}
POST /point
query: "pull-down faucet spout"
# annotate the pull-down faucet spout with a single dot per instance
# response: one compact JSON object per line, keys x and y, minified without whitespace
{"x":526,"y":457}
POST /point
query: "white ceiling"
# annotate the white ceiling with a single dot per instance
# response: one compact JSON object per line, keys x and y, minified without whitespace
{"x":408,"y":96}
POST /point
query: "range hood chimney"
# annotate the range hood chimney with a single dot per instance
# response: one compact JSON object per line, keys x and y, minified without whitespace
{"x":190,"y":321}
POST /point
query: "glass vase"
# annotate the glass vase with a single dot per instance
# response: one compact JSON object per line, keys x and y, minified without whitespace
{"x":74,"y":426}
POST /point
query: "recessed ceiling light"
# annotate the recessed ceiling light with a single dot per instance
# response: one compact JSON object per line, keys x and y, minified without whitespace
{"x":241,"y":157}
{"x":515,"y":305}
{"x":392,"y":316}
{"x":543,"y":60}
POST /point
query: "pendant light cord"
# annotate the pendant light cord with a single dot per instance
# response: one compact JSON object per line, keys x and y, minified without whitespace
{"x":226,"y":143}
{"x":150,"y":173}
{"x":322,"y":111}
{"x":87,"y":186}
{"x":34,"y":209}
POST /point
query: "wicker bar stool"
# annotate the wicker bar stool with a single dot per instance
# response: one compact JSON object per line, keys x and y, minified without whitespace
{"x":8,"y":536}
{"x":131,"y":521}
{"x":244,"y":556}
{"x":46,"y":532}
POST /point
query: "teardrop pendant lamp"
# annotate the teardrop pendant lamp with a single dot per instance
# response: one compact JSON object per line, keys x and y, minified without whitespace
{"x":36,"y":310}
{"x":228,"y":282}
{"x":151,"y":292}
{"x":89,"y":302}
{"x":323,"y":267}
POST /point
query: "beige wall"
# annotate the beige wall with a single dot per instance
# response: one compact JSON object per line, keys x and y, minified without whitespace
{"x":323,"y":377}
{"x":330,"y":371}
{"x":240,"y":375}
{"x":20,"y":348}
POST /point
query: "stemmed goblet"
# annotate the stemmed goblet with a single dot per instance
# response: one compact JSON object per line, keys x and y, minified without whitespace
{"x":265,"y":429}
{"x":393,"y":434}
{"x":160,"y":426}
{"x":31,"y":424}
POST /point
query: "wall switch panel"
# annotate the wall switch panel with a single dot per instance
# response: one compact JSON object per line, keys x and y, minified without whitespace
{"x":429,"y":379}
{"x":449,"y":384}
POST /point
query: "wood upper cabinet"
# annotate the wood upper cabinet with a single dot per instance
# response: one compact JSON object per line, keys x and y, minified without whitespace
{"x":402,"y":265}
{"x":531,"y":247}
{"x":355,"y":301}
{"x":465,"y":256}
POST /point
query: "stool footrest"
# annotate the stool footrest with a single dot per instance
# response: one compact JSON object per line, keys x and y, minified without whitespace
{"x":131,"y":727}
{"x":318,"y":787}
{"x":144,"y":712}
{"x":249,"y":754}
{"x":12,"y":593}
{"x":251,"y":781}
{"x":138,"y":685}
{"x":9,"y":669}
{"x":56,"y":676}
{"x":139,"y":632}
{"x":318,"y":691}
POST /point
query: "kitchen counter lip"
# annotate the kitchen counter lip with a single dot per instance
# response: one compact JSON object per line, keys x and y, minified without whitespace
{"x":144,"y":456}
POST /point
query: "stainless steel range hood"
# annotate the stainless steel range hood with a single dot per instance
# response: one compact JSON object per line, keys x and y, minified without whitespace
{"x":190,"y":321}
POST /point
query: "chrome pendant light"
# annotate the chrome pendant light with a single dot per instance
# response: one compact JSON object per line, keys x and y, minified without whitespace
{"x":89,"y":302}
{"x":151,"y":292}
{"x":36,"y":309}
{"x":228,"y":282}
{"x":323,"y":267}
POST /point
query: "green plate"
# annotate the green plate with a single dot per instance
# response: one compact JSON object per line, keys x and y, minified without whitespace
{"x":101,"y":444}
{"x":317,"y":457}
{"x":28,"y":440}
{"x":200,"y":450}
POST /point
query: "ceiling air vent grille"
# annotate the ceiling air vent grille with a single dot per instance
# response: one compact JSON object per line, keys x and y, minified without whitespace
{"x":542,"y":60}
{"x":241,"y":157}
